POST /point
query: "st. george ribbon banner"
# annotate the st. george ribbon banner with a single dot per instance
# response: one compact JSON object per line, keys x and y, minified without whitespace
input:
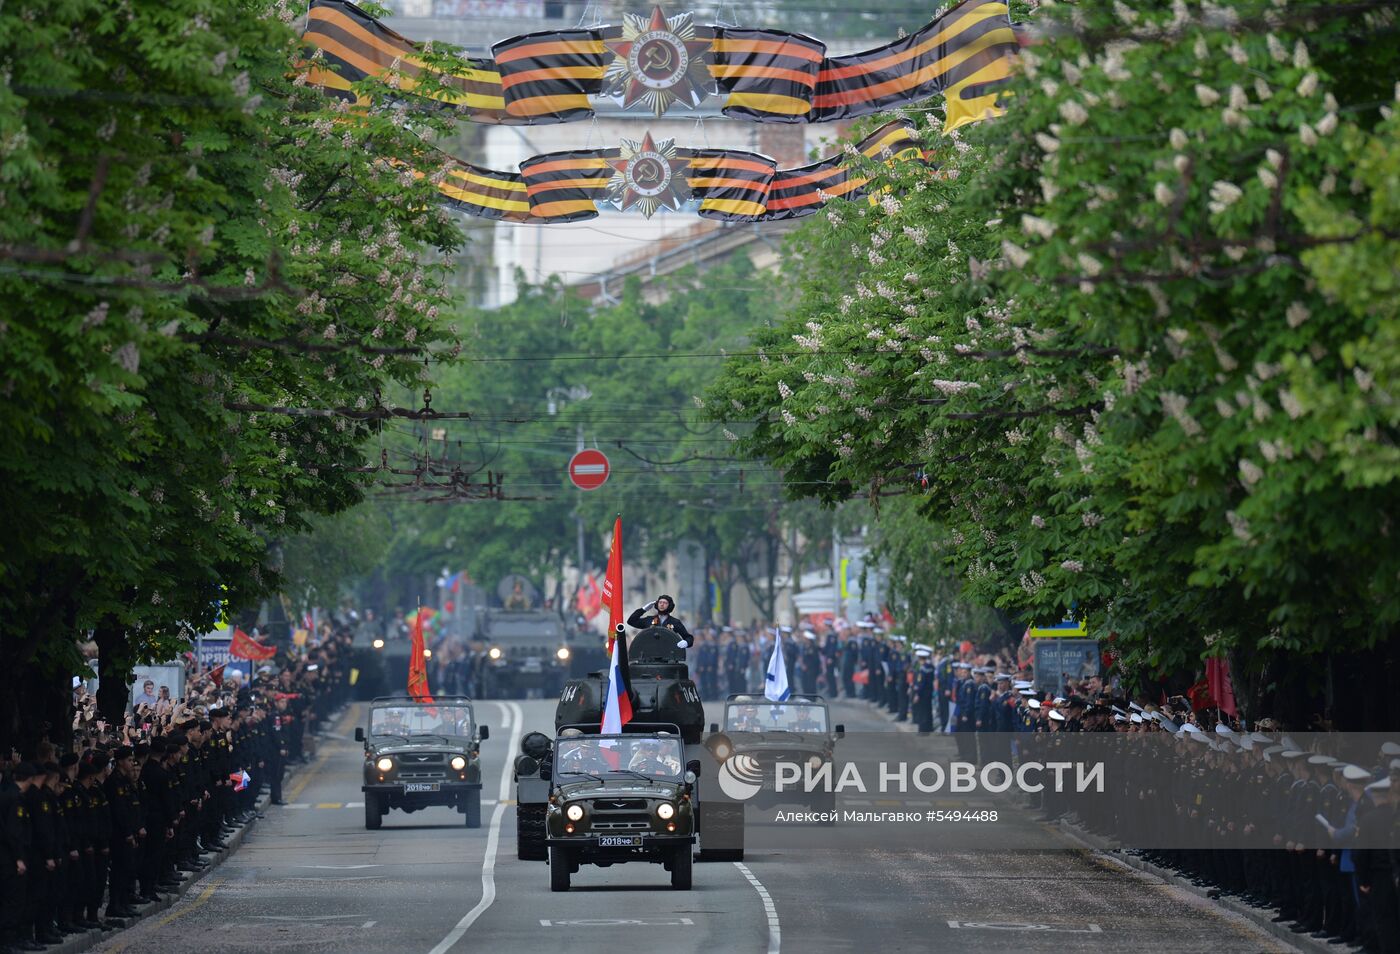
{"x":652,"y":175}
{"x":658,"y":62}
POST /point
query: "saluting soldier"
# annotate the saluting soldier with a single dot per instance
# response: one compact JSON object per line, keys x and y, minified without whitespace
{"x":659,"y":612}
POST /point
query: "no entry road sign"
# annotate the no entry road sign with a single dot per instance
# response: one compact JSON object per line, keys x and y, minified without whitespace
{"x":588,"y":469}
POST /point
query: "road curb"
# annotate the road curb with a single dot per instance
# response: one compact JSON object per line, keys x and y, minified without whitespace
{"x":78,"y":943}
{"x":888,"y":716}
{"x":1259,"y":917}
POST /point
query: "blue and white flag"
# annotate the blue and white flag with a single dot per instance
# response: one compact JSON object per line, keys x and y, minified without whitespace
{"x":775,"y":684}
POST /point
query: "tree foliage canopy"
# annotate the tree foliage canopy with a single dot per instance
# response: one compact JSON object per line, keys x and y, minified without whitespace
{"x":1131,"y":345}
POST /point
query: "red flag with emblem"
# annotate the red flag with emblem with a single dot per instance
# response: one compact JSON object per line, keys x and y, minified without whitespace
{"x":244,"y":646}
{"x":417,"y":659}
{"x":612,"y":584}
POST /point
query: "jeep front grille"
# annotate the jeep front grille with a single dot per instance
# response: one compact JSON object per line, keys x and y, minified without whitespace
{"x":620,"y":826}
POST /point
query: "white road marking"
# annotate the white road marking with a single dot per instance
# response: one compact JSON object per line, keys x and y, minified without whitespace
{"x":775,"y":931}
{"x":354,"y":804}
{"x":368,"y":924}
{"x":338,"y":867}
{"x":619,"y":922}
{"x":1023,"y":926}
{"x":513,"y":715}
{"x":298,"y":805}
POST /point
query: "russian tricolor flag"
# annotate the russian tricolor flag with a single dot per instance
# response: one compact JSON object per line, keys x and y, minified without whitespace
{"x":240,"y":780}
{"x":617,"y":706}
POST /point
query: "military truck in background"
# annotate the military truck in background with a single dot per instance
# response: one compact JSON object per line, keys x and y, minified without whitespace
{"x":662,"y":694}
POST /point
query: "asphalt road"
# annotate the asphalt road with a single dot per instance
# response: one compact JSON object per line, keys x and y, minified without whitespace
{"x":311,"y":878}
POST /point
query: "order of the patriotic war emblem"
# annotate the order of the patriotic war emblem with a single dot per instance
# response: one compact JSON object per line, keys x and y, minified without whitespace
{"x":648,"y":176}
{"x":657,"y":62}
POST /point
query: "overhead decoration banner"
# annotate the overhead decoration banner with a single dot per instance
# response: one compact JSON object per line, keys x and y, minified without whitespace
{"x":653,"y":175}
{"x":660,"y":63}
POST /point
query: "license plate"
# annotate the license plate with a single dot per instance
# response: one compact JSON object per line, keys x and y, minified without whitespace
{"x":420,"y":786}
{"x":619,"y":841}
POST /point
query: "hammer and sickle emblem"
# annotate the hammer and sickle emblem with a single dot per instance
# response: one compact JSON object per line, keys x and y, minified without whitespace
{"x":646,"y":173}
{"x":659,"y":57}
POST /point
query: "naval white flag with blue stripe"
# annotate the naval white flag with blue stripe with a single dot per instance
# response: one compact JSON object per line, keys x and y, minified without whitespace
{"x":775,"y":684}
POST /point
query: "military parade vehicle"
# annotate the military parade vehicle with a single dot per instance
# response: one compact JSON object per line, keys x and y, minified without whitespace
{"x":527,"y":647}
{"x":421,"y":754}
{"x":757,"y":733}
{"x":662,"y":693}
{"x":618,"y":798}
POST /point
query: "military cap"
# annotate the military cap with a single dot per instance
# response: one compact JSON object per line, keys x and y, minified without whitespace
{"x":1057,"y":716}
{"x":89,"y":769}
{"x":1028,"y":693}
{"x":1033,"y":703}
{"x":1120,"y":718}
{"x":67,"y":759}
{"x":1291,"y":754}
{"x":1021,"y":684}
{"x":23,"y":771}
{"x":50,"y":768}
{"x":1223,"y":729}
{"x":922,"y":653}
{"x":123,"y":752}
{"x":1321,"y":760}
{"x":1381,"y":786}
{"x":141,"y":748}
{"x":1390,"y":748}
{"x":1136,"y":717}
{"x":1273,"y":750}
{"x":1355,"y":773}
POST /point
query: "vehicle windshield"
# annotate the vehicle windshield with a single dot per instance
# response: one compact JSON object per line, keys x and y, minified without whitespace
{"x":651,"y":756}
{"x":774,"y":717}
{"x":410,"y":720}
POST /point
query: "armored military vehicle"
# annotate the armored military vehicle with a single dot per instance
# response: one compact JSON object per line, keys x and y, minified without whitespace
{"x":420,"y":754}
{"x":662,"y":694}
{"x":759,"y":733}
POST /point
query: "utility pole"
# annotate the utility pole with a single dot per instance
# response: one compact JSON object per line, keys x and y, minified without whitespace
{"x":552,"y":398}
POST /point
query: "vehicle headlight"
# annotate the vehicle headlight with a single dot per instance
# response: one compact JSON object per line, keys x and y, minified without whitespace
{"x":384,"y":764}
{"x":494,"y":652}
{"x":815,"y":761}
{"x":563,"y":652}
{"x":458,"y":762}
{"x":378,"y":644}
{"x":722,"y":750}
{"x":574,"y":812}
{"x":665,"y":810}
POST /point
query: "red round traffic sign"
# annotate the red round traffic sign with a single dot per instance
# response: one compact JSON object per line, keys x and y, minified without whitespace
{"x":588,"y":469}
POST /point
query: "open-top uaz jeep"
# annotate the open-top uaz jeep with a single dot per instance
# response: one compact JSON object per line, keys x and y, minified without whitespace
{"x":620,"y":798}
{"x":420,"y":754}
{"x":762,"y":733}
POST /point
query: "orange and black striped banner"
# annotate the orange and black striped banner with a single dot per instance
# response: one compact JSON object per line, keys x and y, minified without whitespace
{"x":763,"y":75}
{"x":964,"y":54}
{"x":725,"y":184}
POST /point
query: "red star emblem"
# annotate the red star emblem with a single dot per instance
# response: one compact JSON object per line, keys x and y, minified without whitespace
{"x":659,"y":61}
{"x":649,"y":176}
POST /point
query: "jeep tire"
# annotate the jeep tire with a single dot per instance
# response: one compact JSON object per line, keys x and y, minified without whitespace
{"x":471,"y":808}
{"x":373,"y":816}
{"x":681,"y":865}
{"x":559,"y":864}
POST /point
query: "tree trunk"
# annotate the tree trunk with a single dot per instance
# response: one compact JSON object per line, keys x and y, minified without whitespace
{"x":113,"y":671}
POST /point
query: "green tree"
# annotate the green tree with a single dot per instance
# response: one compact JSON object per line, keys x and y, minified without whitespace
{"x":1102,"y":333}
{"x":211,"y":271}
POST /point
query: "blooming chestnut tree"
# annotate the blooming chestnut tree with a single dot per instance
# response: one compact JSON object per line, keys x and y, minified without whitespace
{"x":1128,"y":344}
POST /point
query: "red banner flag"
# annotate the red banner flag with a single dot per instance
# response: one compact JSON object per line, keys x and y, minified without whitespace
{"x":612,"y":585}
{"x":1222,"y":688}
{"x":590,"y":598}
{"x":418,"y":659}
{"x":244,"y":646}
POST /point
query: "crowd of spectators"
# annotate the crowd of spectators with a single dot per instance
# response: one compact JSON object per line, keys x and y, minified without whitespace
{"x":99,"y":820}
